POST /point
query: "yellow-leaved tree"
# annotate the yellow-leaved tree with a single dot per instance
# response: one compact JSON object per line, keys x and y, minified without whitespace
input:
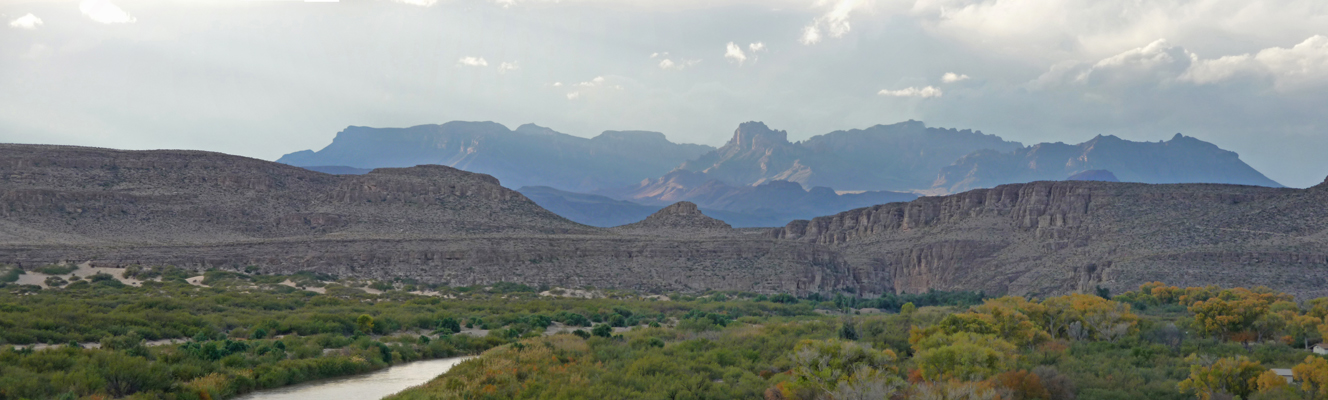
{"x":1313,"y":376}
{"x":1232,"y":375}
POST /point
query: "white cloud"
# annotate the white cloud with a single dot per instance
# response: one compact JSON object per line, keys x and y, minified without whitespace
{"x":507,"y":66}
{"x":679,"y":65}
{"x":557,"y":84}
{"x":735,"y":53}
{"x":599,"y":80}
{"x":756,"y":47}
{"x":26,"y":22}
{"x":924,"y":92}
{"x":951,"y":77}
{"x":810,"y":35}
{"x":573,"y":95}
{"x":1301,"y":66}
{"x":1160,"y":63}
{"x":473,"y":62}
{"x":104,"y":12}
{"x":1054,"y":30}
{"x":834,"y":22}
{"x":421,"y":3}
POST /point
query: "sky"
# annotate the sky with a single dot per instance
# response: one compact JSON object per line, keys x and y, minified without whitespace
{"x":265,"y":78}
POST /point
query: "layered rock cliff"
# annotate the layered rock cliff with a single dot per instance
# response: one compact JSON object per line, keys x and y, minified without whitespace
{"x":1057,"y":237}
{"x":433,"y":223}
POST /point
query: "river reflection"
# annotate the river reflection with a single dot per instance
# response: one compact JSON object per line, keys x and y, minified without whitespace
{"x":370,"y":386}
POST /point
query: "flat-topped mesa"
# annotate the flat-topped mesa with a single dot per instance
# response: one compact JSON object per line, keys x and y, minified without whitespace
{"x":680,"y":216}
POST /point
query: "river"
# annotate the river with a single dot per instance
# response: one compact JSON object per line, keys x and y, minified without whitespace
{"x":371,"y":386}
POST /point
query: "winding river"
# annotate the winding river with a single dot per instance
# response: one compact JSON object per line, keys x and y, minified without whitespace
{"x":371,"y":386}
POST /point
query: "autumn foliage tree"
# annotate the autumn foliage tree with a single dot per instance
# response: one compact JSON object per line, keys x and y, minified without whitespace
{"x":1313,"y":377}
{"x":1232,"y":375}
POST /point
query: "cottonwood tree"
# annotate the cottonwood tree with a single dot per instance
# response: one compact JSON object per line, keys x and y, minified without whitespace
{"x":1232,"y":375}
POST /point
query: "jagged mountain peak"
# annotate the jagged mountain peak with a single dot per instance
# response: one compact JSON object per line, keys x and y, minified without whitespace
{"x":754,"y":134}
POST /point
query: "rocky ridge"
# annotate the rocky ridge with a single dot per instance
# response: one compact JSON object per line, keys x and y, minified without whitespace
{"x":529,"y":155}
{"x":898,"y":157}
{"x":1056,"y":237}
{"x":1182,"y":159}
{"x":432,"y":223}
{"x":439,"y":224}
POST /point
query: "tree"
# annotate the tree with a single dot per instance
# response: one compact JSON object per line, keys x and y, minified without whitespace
{"x":602,"y":330}
{"x":449,"y":324}
{"x":1303,"y":328}
{"x":1010,"y":318}
{"x":964,"y":356}
{"x":1023,"y":385}
{"x":1270,"y":381}
{"x":908,"y":309}
{"x":1313,"y":376}
{"x":1236,"y":376}
{"x":848,"y":331}
{"x":1230,"y":311}
{"x":364,"y":323}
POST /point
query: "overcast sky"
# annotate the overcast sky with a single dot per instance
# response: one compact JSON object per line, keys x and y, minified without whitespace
{"x":265,"y":78}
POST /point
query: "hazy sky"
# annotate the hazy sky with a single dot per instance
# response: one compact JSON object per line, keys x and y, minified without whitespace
{"x":264,"y":78}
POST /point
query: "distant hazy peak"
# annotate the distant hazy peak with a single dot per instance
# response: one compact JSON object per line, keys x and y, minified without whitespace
{"x":1183,"y":159}
{"x":644,"y":136}
{"x":753,"y":134}
{"x":530,"y":155}
{"x":533,"y":129}
{"x":1100,"y":175}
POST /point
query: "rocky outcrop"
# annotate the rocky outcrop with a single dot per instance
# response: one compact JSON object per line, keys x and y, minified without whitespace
{"x":1057,"y":237}
{"x":432,"y":223}
{"x":682,"y":217}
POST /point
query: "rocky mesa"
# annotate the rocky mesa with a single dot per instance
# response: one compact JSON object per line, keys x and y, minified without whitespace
{"x":1074,"y":236}
{"x":432,"y":223}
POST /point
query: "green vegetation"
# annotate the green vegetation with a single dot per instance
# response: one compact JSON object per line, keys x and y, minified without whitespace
{"x":1205,"y":343}
{"x":169,"y":339}
{"x":9,"y":273}
{"x":57,"y":269}
{"x":248,"y":332}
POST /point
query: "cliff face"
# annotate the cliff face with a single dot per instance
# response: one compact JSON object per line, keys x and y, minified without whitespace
{"x":433,"y":223}
{"x":1056,"y":237}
